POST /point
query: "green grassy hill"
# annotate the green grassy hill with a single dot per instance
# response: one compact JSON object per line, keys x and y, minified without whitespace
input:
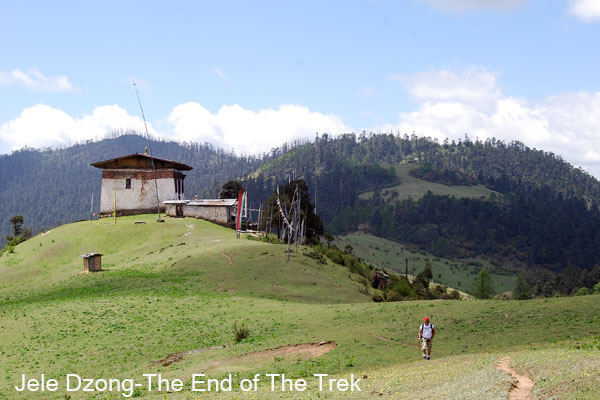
{"x":415,"y":188}
{"x":173,"y":291}
{"x":181,"y":256}
{"x":391,"y":255}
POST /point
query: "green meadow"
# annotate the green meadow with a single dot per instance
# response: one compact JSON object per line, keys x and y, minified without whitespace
{"x":383,"y":253}
{"x":173,"y":291}
{"x":415,"y":188}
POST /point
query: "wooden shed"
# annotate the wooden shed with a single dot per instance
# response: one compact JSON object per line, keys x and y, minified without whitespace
{"x":92,"y":262}
{"x":380,"y":280}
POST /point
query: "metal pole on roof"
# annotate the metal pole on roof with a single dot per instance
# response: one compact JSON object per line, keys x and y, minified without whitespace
{"x":151,"y":157}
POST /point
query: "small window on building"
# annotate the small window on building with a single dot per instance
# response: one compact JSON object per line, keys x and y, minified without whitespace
{"x":128,"y":183}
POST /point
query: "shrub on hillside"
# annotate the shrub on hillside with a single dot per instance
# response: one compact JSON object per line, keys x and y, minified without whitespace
{"x":504,"y":296}
{"x":241,"y":332}
{"x":335,"y":255}
{"x":355,"y":266}
{"x":401,"y":288}
{"x":378,"y":297}
{"x":316,"y":256}
{"x":439,"y":291}
{"x":391,"y":295}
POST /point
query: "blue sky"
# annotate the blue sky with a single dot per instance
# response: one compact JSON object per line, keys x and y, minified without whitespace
{"x":249,"y":75}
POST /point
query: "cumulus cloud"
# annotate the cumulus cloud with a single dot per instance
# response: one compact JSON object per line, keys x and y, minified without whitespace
{"x":231,"y":127}
{"x":36,"y":81}
{"x":248,"y":131}
{"x":567,"y":124}
{"x":45,"y":126}
{"x":449,"y":104}
{"x":586,"y":10}
{"x":460,"y":6}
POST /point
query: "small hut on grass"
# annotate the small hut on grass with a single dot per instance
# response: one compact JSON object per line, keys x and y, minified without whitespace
{"x":92,"y":262}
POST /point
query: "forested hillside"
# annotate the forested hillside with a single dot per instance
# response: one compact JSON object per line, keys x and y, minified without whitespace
{"x":540,"y":211}
{"x":52,"y":187}
{"x":341,"y":168}
{"x":504,"y":166}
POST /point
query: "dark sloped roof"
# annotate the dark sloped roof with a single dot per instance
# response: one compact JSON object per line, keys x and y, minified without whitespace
{"x":140,"y":161}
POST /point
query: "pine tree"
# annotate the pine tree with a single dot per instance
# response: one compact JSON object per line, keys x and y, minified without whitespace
{"x":483,"y":287}
{"x":521,"y":290}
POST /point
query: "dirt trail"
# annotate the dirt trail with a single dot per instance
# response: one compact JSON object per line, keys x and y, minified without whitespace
{"x":228,"y":257}
{"x":304,"y":350}
{"x":175,"y":357}
{"x":522,"y":385}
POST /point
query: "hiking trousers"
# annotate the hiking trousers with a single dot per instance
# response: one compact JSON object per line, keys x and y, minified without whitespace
{"x":426,"y":345}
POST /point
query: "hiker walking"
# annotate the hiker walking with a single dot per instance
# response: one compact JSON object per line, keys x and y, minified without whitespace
{"x":426,"y":335}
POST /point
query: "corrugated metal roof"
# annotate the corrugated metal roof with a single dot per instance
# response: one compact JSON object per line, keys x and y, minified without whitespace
{"x":213,"y":202}
{"x":204,"y":202}
{"x":89,"y":255}
{"x":176,"y":202}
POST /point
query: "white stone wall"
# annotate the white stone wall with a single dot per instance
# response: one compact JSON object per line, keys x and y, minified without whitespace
{"x":216,"y":214}
{"x":141,"y":196}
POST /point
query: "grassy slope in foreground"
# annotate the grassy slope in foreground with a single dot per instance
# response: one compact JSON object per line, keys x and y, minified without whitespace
{"x":181,"y":257}
{"x":159,"y":296}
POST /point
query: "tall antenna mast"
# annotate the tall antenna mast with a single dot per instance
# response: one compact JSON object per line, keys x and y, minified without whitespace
{"x":151,"y":156}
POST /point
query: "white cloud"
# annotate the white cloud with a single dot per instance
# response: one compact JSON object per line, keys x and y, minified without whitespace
{"x":232,"y":127}
{"x":567,"y":124}
{"x":248,"y":131}
{"x":459,"y":6}
{"x":450,"y":105}
{"x":44,"y":126}
{"x":587,"y":10}
{"x":220,"y":74}
{"x":35,"y":80}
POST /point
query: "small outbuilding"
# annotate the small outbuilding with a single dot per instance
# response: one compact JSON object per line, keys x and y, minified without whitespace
{"x":92,"y":262}
{"x":219,"y":211}
{"x":380,"y":280}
